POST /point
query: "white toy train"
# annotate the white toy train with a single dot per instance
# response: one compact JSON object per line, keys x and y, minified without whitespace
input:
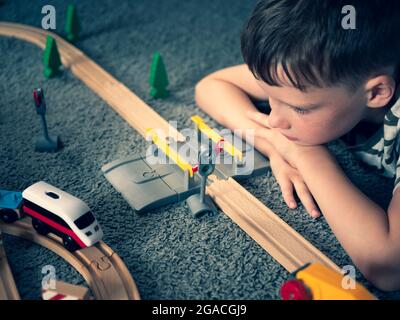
{"x":53,"y":210}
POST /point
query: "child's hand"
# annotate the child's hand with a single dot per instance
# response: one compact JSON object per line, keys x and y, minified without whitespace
{"x":289,"y":179}
{"x":287,"y":149}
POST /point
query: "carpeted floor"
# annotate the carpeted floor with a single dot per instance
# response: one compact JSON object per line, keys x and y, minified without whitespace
{"x":170,"y":254}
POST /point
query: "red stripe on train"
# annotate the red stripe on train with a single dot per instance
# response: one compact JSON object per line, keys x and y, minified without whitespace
{"x":58,"y":297}
{"x":54,"y":225}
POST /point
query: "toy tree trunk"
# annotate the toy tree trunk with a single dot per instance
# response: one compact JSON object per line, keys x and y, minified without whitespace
{"x":158,"y":78}
{"x":51,"y":58}
{"x":72,"y":25}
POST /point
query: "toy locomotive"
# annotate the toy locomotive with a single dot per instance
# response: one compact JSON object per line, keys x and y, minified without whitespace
{"x":53,"y":210}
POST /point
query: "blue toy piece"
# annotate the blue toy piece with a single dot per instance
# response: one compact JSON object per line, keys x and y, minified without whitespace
{"x":10,"y":203}
{"x":10,"y":199}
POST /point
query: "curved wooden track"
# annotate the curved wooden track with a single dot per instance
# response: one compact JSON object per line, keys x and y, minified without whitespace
{"x":103,"y":270}
{"x":8,"y":289}
{"x":288,"y":247}
{"x":128,"y":105}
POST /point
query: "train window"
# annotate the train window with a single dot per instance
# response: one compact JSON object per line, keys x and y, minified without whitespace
{"x":85,"y":221}
{"x":52,"y":195}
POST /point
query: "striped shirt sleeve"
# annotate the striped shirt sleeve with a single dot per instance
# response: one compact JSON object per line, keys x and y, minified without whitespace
{"x":397,"y":179}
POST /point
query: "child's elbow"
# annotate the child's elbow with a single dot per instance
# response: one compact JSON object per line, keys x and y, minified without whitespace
{"x":384,"y":282}
{"x":200,"y":91}
{"x":383,"y":275}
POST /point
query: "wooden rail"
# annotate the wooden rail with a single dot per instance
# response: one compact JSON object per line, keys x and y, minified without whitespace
{"x":288,"y":247}
{"x":105,"y":273}
{"x":8,"y":289}
{"x":127,"y":104}
{"x":282,"y":242}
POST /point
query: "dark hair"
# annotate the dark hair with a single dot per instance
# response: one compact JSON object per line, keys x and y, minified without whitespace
{"x":307,"y":39}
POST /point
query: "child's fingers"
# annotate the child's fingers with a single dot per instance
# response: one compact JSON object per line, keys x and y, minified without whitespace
{"x":306,"y":199}
{"x":267,"y":134}
{"x":259,"y":117}
{"x":287,"y":192}
{"x":262,"y":133}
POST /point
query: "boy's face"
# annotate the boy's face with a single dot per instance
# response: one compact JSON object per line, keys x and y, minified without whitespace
{"x":317,"y":116}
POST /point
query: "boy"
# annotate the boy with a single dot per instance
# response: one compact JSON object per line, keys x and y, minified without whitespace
{"x":322,"y":82}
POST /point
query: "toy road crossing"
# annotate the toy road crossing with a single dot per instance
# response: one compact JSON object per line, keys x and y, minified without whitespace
{"x":103,"y":270}
{"x":239,"y":204}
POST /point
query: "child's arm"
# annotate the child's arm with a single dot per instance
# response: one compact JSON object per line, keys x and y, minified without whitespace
{"x":369,"y":234}
{"x":226,"y":95}
{"x":228,"y":92}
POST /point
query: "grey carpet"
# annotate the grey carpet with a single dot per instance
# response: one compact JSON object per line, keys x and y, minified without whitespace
{"x":170,"y":254}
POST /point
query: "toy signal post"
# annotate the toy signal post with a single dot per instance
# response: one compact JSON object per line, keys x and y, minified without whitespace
{"x":44,"y":143}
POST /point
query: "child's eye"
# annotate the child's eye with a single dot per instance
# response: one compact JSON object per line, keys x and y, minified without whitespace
{"x":299,"y":110}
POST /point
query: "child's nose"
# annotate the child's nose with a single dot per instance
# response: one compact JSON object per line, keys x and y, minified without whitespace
{"x":278,"y":120}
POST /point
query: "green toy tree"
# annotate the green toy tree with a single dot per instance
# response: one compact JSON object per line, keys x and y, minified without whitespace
{"x":158,"y":78}
{"x":72,"y":25}
{"x":51,"y":58}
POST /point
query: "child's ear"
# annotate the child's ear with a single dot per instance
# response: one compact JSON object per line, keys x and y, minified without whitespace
{"x":380,"y":91}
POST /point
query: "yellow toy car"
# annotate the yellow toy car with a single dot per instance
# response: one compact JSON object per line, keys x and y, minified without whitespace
{"x":318,"y":282}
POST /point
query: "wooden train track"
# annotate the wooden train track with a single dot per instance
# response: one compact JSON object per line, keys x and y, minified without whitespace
{"x":127,"y":104}
{"x":264,"y":226}
{"x":104,"y":271}
{"x":8,"y":289}
{"x":288,"y":247}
